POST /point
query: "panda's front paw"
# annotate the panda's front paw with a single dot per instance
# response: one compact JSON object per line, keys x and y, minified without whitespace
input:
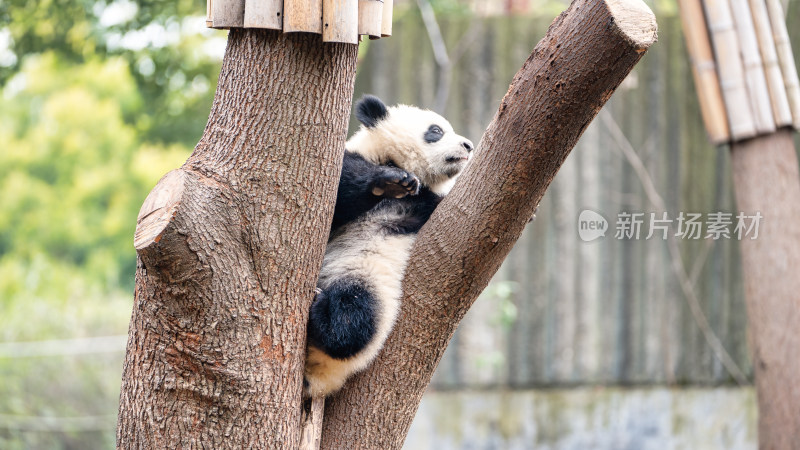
{"x":395,"y":183}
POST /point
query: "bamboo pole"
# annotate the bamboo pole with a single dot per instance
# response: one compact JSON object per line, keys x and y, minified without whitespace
{"x":302,"y":15}
{"x":777,"y":90}
{"x":756,"y":82}
{"x":731,"y":75}
{"x":386,"y":21}
{"x":227,"y":13}
{"x":785,"y":58}
{"x":370,"y":15}
{"x":263,"y":14}
{"x":704,"y":71}
{"x":340,"y":21}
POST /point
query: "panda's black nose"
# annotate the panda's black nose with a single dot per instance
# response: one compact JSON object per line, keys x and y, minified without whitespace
{"x":467,"y":145}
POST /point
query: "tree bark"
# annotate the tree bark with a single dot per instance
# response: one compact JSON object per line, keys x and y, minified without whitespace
{"x":229,"y":248}
{"x":587,"y":52}
{"x":766,"y":180}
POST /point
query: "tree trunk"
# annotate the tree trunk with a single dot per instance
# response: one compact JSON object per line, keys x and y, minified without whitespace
{"x":571,"y":73}
{"x":229,"y":250}
{"x":766,"y":180}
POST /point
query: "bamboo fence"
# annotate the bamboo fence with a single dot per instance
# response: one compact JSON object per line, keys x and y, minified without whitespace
{"x":743,"y":67}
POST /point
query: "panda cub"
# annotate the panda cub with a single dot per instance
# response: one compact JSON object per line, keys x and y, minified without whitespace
{"x":396,"y":170}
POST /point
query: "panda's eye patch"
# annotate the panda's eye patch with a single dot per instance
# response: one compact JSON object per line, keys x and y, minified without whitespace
{"x":433,"y":134}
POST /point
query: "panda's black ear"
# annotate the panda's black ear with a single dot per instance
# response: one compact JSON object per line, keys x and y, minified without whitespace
{"x":370,"y":110}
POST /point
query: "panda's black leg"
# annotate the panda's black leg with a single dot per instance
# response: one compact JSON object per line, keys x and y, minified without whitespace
{"x":342,"y":320}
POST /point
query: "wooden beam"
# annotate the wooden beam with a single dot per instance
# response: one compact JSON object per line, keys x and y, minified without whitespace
{"x":227,"y":13}
{"x":704,"y":71}
{"x":340,"y":21}
{"x":370,"y":15}
{"x":386,"y":21}
{"x":777,"y":90}
{"x":302,"y":15}
{"x":756,"y":82}
{"x":263,"y":14}
{"x":785,"y":58}
{"x":731,"y":73}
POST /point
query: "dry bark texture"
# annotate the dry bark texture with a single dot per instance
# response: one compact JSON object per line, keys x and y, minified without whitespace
{"x":230,"y":247}
{"x":766,"y":180}
{"x":571,"y":73}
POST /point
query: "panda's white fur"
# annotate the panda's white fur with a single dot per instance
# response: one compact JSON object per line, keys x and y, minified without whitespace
{"x":365,"y":260}
{"x":400,"y":138}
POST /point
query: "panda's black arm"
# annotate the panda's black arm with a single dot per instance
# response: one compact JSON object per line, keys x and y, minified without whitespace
{"x":354,"y":196}
{"x":357,"y":192}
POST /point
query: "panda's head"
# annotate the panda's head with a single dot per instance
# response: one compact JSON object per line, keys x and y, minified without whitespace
{"x":417,"y":140}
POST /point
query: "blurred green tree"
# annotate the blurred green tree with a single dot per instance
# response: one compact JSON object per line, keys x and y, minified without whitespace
{"x":73,"y":174}
{"x":174,"y":57}
{"x":97,"y":100}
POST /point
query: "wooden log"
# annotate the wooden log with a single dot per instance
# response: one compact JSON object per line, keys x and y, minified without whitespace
{"x":263,"y":14}
{"x":370,"y":16}
{"x":311,"y":420}
{"x":587,"y":52}
{"x":729,"y":64}
{"x":222,"y":377}
{"x":704,"y":71}
{"x":227,"y":13}
{"x":340,"y":21}
{"x":766,"y":182}
{"x":777,"y":90}
{"x":302,"y":15}
{"x":756,"y":82}
{"x":386,"y":20}
{"x":785,"y":57}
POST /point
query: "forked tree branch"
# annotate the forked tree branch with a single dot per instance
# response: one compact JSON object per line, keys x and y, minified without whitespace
{"x":572,"y":72}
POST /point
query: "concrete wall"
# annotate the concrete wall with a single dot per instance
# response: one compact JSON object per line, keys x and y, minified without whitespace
{"x":587,"y":418}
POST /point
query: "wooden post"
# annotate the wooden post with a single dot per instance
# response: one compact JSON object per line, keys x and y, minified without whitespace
{"x":312,"y":424}
{"x":766,"y":181}
{"x":785,"y":57}
{"x":302,"y":15}
{"x":370,"y":15}
{"x":704,"y":71}
{"x":227,"y":13}
{"x":731,"y":75}
{"x":766,"y":43}
{"x":263,"y":14}
{"x":754,"y":77}
{"x":340,"y":21}
{"x":386,"y":21}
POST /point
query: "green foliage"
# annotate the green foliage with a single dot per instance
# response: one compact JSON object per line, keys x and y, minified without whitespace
{"x":97,"y":101}
{"x":68,"y":194}
{"x":501,"y":292}
{"x":172,"y":53}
